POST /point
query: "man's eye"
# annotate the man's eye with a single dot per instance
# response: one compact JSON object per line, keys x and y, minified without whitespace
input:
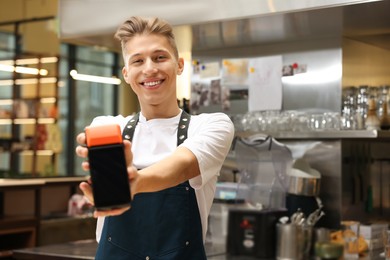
{"x":161,"y":57}
{"x":137,"y":61}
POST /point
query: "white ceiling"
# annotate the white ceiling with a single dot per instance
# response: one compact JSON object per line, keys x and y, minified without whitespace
{"x":94,"y":22}
{"x":86,"y":17}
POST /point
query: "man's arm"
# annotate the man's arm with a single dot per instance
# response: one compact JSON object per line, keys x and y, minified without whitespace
{"x":180,"y":166}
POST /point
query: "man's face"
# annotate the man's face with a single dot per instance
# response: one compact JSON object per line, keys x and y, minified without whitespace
{"x":151,"y":69}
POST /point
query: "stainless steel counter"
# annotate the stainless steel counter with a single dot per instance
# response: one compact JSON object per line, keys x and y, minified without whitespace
{"x":85,"y":249}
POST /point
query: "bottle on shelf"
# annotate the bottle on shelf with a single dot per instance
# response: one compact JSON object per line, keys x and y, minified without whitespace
{"x":372,"y":121}
{"x":384,"y":119}
{"x":362,"y":100}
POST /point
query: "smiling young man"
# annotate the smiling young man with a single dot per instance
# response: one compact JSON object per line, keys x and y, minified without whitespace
{"x":173,"y":159}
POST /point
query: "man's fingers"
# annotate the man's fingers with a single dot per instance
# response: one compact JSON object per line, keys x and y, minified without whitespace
{"x":87,"y":190}
{"x":113,"y":212}
{"x":80,"y":138}
{"x":85,"y":166}
{"x":82,"y":151}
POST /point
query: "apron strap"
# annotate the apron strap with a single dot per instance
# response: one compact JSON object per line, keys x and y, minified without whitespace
{"x":183,"y":127}
{"x":184,"y":122}
{"x":128,"y":132}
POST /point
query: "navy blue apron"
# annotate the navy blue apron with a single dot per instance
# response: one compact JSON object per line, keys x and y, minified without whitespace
{"x":162,"y":225}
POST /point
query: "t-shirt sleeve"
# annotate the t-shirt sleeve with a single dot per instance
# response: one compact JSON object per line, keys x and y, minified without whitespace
{"x":210,"y":141}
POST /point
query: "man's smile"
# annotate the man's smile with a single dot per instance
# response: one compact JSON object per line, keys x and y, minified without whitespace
{"x":151,"y":84}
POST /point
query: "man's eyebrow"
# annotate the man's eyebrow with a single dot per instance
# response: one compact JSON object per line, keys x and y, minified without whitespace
{"x":155,"y":51}
{"x":160,"y":50}
{"x":134,"y":55}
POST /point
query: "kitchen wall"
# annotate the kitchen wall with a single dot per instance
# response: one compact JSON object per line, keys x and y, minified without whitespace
{"x":319,"y":88}
{"x":347,"y":191}
{"x":364,"y":64}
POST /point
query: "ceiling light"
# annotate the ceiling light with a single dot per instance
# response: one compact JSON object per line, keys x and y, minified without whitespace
{"x":5,"y":121}
{"x":6,"y":102}
{"x":49,"y":60}
{"x":84,"y":77}
{"x":33,"y":120}
{"x":48,"y":80}
{"x":10,"y":82}
{"x":30,"y":61}
{"x":32,"y":71}
{"x":6,"y":82}
{"x":24,"y":70}
{"x":46,"y":120}
{"x":39,"y":152}
{"x":24,"y":121}
{"x":48,"y":100}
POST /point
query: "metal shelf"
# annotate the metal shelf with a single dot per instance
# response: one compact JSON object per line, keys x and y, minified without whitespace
{"x":336,"y":134}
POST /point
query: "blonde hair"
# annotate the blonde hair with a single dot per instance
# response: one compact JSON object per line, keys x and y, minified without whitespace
{"x":142,"y":26}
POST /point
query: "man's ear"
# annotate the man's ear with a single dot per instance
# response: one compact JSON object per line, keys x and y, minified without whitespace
{"x":180,"y":66}
{"x":124,"y":73}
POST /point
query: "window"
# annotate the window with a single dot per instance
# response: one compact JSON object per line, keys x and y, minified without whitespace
{"x":81,"y":101}
{"x":6,"y":52}
{"x":78,"y":101}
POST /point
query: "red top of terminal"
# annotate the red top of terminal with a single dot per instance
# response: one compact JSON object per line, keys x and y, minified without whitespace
{"x":103,"y":135}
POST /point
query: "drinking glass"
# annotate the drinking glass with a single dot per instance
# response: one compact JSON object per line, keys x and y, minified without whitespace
{"x":332,"y":121}
{"x":317,"y":122}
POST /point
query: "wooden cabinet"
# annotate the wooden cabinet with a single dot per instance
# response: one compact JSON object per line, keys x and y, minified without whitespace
{"x":33,"y":212}
{"x":17,"y":233}
{"x":29,"y":135}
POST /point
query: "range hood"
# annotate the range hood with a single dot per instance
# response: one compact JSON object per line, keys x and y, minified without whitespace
{"x":219,"y":24}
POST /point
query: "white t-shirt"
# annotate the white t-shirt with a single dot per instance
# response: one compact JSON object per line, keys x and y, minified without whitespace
{"x":209,"y":138}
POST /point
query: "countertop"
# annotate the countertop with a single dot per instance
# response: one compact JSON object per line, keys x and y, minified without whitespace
{"x":20,"y":182}
{"x":85,"y":249}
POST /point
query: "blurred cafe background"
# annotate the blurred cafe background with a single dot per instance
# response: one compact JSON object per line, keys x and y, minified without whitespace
{"x":306,"y":84}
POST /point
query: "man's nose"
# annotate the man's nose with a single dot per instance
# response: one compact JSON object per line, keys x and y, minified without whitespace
{"x":150,"y":67}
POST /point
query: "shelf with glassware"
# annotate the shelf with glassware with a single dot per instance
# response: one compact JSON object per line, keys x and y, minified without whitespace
{"x":29,"y":134}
